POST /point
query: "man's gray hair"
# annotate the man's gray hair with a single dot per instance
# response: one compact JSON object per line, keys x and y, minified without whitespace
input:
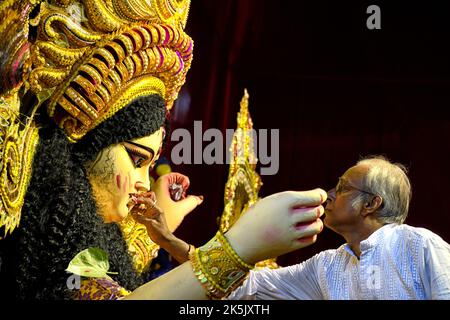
{"x":388,"y":180}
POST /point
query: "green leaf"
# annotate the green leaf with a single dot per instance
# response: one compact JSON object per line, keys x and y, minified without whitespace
{"x":92,"y":263}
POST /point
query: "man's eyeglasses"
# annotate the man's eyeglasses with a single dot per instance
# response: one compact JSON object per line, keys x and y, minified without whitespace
{"x":343,"y":186}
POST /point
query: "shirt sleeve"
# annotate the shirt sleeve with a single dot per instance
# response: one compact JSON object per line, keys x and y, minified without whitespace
{"x":297,"y":282}
{"x":437,"y":268}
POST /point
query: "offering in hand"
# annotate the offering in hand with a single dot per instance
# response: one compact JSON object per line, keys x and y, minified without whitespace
{"x":176,"y":191}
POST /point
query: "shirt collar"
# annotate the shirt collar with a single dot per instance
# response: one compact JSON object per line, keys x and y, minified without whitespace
{"x":373,"y":240}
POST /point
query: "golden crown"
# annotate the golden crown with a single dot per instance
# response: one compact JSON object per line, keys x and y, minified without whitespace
{"x":96,"y":56}
{"x":86,"y":59}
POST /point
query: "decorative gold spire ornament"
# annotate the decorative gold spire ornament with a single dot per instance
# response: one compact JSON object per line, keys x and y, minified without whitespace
{"x":82,"y":60}
{"x":216,"y":265}
{"x":243,"y":184}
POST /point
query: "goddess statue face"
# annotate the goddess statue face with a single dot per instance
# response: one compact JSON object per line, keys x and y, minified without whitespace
{"x":121,"y":170}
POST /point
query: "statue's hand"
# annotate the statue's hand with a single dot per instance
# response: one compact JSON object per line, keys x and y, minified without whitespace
{"x":278,"y":224}
{"x":175,"y":211}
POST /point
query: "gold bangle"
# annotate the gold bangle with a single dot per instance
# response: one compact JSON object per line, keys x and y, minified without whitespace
{"x":211,"y":292}
{"x":220,"y":236}
{"x":218,"y":268}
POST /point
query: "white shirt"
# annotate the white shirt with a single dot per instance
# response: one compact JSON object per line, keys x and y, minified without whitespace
{"x":396,"y":262}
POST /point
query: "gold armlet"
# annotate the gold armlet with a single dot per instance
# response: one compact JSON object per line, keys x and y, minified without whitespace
{"x":218,"y":267}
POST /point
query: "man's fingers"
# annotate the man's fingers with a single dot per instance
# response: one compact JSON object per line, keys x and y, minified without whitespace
{"x":310,"y":198}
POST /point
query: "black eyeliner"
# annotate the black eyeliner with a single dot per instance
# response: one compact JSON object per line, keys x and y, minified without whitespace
{"x":143,"y":147}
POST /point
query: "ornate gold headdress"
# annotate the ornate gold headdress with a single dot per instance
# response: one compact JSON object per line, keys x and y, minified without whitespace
{"x":86,"y":59}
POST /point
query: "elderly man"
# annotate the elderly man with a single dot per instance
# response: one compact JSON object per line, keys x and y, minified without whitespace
{"x":382,"y":259}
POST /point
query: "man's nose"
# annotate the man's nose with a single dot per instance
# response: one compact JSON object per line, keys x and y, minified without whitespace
{"x":331,"y":196}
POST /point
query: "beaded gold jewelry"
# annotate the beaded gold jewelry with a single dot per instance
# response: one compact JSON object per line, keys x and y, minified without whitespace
{"x":17,"y":145}
{"x":218,"y":268}
{"x":85,"y":61}
{"x":230,"y":251}
{"x":18,"y":133}
{"x":141,"y":247}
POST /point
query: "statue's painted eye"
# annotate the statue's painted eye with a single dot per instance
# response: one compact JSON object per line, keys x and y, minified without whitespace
{"x":138,"y":160}
{"x":136,"y":157}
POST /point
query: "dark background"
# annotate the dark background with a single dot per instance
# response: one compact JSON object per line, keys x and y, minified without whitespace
{"x":335,"y":90}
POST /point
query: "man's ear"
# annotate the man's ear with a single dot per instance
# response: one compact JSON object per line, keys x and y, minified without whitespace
{"x":372,"y":205}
